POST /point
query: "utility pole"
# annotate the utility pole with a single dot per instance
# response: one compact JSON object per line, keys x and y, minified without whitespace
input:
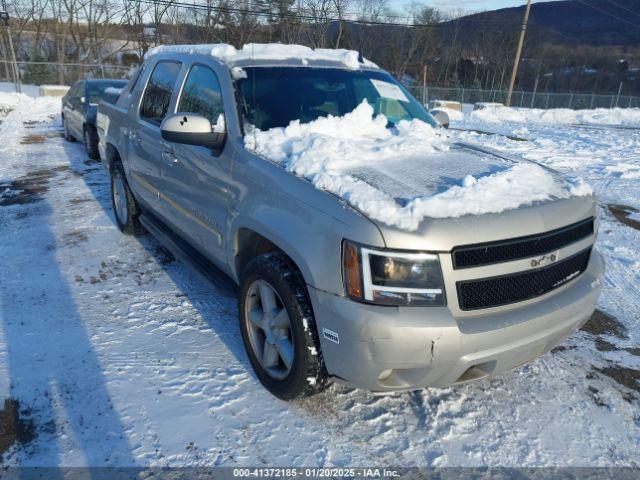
{"x":514,"y":72}
{"x":535,"y":89}
{"x":619,"y":92}
{"x":8,"y":73}
{"x":424,"y":85}
{"x":4,"y":18}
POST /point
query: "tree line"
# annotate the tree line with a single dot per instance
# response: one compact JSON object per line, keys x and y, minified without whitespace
{"x":452,"y":50}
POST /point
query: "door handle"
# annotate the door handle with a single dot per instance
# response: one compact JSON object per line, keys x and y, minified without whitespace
{"x":169,"y":157}
{"x":135,"y":139}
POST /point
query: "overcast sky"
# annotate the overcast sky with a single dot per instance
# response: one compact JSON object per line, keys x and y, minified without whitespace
{"x":469,"y":5}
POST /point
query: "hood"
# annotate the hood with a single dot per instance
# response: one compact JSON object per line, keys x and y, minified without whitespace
{"x":406,"y":179}
{"x":442,"y":235}
{"x":404,"y":176}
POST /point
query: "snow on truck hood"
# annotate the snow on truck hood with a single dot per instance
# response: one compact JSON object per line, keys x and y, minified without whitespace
{"x":400,"y":176}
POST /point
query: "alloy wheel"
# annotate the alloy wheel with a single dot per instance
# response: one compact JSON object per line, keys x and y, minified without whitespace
{"x":269,"y":328}
{"x":119,"y":196}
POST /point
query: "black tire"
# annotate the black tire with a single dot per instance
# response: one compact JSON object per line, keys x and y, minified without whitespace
{"x":129,"y":224}
{"x":91,"y":142}
{"x":67,"y":136}
{"x":307,"y":375}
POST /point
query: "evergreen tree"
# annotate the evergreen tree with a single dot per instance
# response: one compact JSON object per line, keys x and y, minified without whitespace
{"x":38,"y":74}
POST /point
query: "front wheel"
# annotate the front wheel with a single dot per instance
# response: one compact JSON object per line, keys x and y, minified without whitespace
{"x":278,"y":328}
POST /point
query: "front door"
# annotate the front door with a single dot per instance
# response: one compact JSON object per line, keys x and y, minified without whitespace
{"x":196,"y":181}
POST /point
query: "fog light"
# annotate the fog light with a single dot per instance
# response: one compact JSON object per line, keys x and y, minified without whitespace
{"x":385,"y":374}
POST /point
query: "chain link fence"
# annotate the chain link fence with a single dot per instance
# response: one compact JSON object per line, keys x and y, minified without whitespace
{"x":41,"y":73}
{"x":575,"y":101}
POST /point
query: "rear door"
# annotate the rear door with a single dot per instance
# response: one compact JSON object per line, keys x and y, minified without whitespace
{"x":196,"y":182}
{"x":73,"y":109}
{"x":145,"y":142}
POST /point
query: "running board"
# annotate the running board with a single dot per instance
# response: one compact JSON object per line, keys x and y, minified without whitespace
{"x":206,"y":270}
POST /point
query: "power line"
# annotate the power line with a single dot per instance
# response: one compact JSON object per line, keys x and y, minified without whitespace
{"x":300,"y":16}
{"x":623,"y":7}
{"x":607,"y":13}
{"x":347,"y":16}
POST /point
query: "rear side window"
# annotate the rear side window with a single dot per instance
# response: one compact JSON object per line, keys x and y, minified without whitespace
{"x":133,"y":81}
{"x":201,"y":94}
{"x":157,"y":95}
{"x":77,"y":90}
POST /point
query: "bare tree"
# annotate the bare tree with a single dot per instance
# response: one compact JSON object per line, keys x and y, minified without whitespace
{"x":321,"y":12}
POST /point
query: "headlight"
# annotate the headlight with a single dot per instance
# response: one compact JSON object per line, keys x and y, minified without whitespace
{"x":392,"y":278}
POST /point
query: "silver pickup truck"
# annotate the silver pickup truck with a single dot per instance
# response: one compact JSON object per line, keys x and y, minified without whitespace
{"x":326,"y":291}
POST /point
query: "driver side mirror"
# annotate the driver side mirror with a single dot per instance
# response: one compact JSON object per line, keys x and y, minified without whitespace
{"x":441,"y":116}
{"x":192,"y":129}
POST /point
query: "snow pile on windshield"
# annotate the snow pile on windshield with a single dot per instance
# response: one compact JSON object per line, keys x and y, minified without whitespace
{"x":601,"y":116}
{"x":268,"y":51}
{"x":327,"y":149}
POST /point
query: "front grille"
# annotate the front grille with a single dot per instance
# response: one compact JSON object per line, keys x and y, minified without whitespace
{"x":521,"y":247}
{"x":516,"y":287}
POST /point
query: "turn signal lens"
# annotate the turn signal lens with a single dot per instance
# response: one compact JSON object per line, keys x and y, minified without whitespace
{"x":352,"y":270}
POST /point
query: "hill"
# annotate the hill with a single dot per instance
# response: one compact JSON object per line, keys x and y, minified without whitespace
{"x":576,"y":22}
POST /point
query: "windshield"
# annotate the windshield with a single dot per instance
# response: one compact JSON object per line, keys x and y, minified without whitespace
{"x":272,"y":97}
{"x":96,"y":88}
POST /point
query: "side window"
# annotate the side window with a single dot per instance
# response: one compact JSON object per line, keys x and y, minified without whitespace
{"x":133,"y":81}
{"x":201,"y":94}
{"x":157,"y":95}
{"x":76,"y":90}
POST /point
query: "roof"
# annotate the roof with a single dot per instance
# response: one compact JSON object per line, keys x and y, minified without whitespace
{"x":263,"y":53}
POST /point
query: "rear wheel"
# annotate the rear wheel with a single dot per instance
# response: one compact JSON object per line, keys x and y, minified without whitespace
{"x":91,"y":142}
{"x":125,"y":207}
{"x":278,"y":328}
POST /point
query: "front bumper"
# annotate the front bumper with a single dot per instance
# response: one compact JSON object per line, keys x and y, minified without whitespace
{"x":400,"y":348}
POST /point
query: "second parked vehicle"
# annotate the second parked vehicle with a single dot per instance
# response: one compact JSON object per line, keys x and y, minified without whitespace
{"x":330,"y":286}
{"x":79,"y":108}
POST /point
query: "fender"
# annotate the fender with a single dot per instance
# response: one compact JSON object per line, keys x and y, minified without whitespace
{"x":277,"y":227}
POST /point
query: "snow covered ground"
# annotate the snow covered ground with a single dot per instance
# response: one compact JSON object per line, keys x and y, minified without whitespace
{"x":118,"y":355}
{"x":600,"y":116}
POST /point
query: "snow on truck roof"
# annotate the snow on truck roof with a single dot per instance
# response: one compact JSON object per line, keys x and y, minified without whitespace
{"x":269,"y":52}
